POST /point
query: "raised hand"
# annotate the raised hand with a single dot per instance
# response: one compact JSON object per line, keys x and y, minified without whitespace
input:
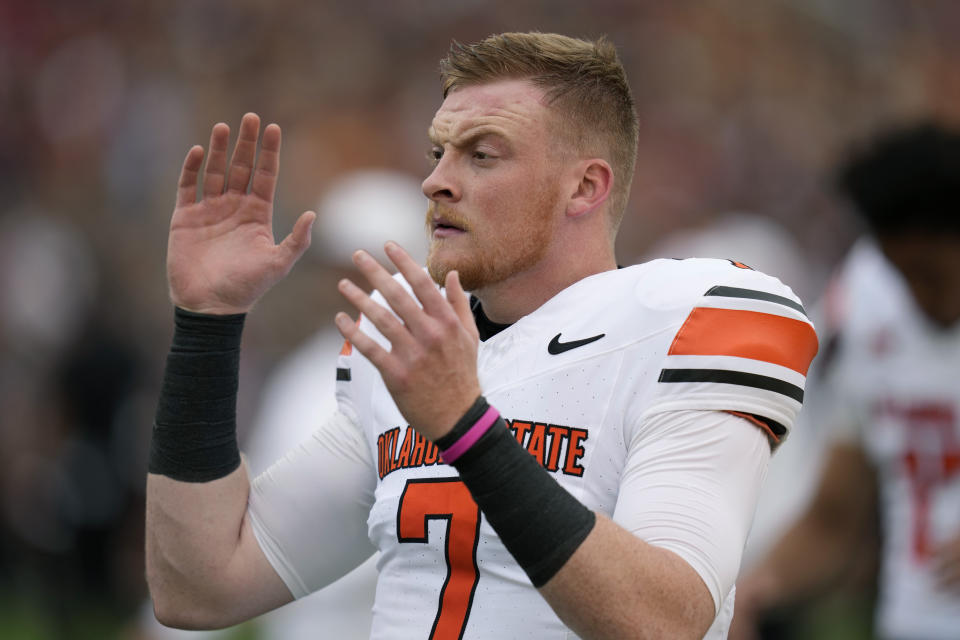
{"x":431,"y":367}
{"x":221,"y":254}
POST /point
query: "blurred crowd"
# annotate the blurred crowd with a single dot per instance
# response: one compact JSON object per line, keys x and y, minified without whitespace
{"x":745,"y":108}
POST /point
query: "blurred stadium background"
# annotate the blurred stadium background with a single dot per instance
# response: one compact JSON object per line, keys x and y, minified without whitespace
{"x":745,"y":107}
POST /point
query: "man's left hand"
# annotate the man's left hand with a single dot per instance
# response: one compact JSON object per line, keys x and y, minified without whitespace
{"x":431,"y":366}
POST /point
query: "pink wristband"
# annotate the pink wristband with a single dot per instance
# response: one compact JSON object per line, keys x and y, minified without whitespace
{"x":470,"y":438}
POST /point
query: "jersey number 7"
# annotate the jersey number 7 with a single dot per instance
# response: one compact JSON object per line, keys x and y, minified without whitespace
{"x":445,"y":499}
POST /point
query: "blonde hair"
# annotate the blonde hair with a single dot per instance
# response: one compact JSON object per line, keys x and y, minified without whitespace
{"x":583,"y":81}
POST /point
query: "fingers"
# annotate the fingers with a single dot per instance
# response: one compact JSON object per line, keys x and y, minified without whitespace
{"x":215,"y":172}
{"x":396,"y":296}
{"x":216,"y":176}
{"x":381,"y":317}
{"x":268,"y":164}
{"x":241,"y":164}
{"x":422,"y":284}
{"x":371,"y":350}
{"x":187,"y":186}
{"x":435,"y":307}
{"x":460,"y":302}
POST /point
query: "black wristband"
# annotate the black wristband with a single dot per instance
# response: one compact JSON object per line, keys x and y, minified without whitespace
{"x":195,"y":430}
{"x":537,"y":520}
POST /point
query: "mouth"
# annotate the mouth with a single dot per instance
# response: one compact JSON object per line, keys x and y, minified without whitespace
{"x":443,"y":227}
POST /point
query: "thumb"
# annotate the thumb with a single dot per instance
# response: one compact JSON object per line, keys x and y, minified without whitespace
{"x":298,"y":240}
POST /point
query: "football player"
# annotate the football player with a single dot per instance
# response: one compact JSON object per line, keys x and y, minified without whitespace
{"x":570,"y":450}
{"x":889,"y":399}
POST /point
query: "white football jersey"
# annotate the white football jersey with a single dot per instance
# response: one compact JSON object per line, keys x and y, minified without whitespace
{"x":618,"y":387}
{"x":892,"y":385}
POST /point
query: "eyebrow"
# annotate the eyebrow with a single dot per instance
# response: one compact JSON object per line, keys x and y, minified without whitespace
{"x":474,"y":134}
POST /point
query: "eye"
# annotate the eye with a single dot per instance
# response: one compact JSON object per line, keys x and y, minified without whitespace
{"x":434,"y":155}
{"x":484,"y":154}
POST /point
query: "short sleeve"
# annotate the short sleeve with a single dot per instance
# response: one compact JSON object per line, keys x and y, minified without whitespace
{"x":690,"y":485}
{"x":309,"y":509}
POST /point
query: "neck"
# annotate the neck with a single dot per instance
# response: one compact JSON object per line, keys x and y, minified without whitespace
{"x":524,"y":292}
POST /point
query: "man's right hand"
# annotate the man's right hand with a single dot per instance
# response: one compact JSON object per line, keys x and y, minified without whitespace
{"x":221,"y":254}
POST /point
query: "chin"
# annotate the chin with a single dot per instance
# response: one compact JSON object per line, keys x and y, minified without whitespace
{"x":438,"y":268}
{"x":438,"y":273}
{"x":472,"y":276}
{"x":478,"y":268}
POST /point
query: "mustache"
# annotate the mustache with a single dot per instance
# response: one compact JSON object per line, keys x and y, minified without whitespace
{"x":444,"y":213}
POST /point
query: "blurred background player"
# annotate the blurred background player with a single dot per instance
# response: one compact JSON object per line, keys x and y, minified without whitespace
{"x":889,"y":399}
{"x":361,"y":209}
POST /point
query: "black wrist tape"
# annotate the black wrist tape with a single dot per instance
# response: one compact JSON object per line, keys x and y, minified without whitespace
{"x":195,"y":430}
{"x":539,"y":522}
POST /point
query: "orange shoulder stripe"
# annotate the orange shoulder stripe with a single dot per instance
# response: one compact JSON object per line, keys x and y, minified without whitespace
{"x":747,"y":334}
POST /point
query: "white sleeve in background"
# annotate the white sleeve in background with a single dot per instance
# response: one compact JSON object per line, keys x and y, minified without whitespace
{"x":690,"y":485}
{"x":309,"y":509}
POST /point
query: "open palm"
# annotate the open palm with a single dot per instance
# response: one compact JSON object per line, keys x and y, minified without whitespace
{"x":221,"y":254}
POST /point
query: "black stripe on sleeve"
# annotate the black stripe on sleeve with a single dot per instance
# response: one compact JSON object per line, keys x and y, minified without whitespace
{"x":733,"y":377}
{"x":735,"y":292}
{"x":343,"y":374}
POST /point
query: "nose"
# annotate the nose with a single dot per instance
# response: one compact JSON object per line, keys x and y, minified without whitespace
{"x":440,"y":185}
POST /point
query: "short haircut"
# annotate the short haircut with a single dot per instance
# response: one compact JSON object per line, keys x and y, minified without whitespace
{"x":583,"y":80}
{"x":907,"y":180}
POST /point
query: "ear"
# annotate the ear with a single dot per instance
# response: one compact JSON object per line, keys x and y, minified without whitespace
{"x":592,"y":189}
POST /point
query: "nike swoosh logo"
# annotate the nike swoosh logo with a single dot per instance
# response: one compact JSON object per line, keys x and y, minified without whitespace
{"x":556,"y":347}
